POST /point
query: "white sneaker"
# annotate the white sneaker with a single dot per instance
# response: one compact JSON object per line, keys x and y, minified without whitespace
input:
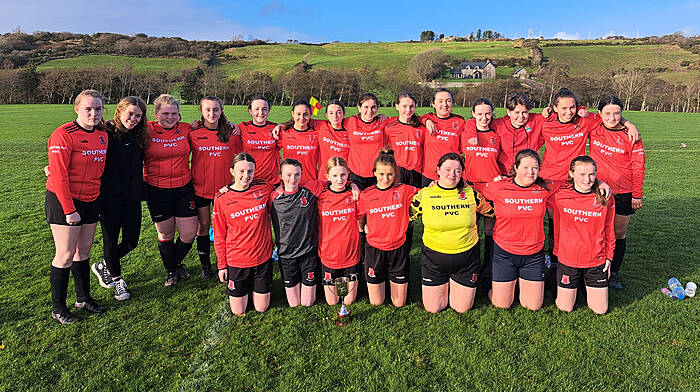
{"x":120,"y":292}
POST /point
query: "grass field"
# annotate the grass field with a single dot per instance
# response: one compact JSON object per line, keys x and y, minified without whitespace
{"x":139,"y":64}
{"x":185,"y":339}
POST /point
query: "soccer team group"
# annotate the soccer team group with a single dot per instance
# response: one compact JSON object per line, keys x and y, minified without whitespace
{"x":343,"y":196}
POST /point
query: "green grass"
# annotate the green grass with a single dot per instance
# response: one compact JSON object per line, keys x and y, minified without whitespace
{"x":139,"y":64}
{"x":598,"y":59}
{"x":186,"y":339}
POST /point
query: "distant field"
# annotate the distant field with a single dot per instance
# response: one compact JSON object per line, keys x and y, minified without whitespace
{"x":597,"y":59}
{"x":185,"y":339}
{"x":139,"y":64}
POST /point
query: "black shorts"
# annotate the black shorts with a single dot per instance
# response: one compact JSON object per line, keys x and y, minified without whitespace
{"x":623,"y":204}
{"x":329,"y":274}
{"x":200,"y":202}
{"x":362,"y":182}
{"x":425,"y":181}
{"x":411,"y":177}
{"x":569,"y":277}
{"x":242,"y":280}
{"x":381,"y":265}
{"x":89,"y":211}
{"x":302,"y":269}
{"x":165,"y":203}
{"x":508,"y":266}
{"x":438,"y":268}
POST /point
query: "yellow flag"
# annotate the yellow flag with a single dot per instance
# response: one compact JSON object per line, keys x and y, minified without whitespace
{"x":315,"y":106}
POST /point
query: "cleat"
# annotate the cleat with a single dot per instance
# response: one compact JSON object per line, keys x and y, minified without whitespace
{"x":120,"y":292}
{"x":103,"y":276}
{"x":64,"y":317}
{"x":206,"y":272}
{"x":614,"y":281}
{"x":170,"y":280}
{"x":91,"y":306}
{"x":181,"y":273}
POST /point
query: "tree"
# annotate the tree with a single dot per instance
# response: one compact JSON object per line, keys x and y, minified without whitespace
{"x":471,"y":36}
{"x":427,"y":65}
{"x":629,"y":85}
{"x":442,"y":36}
{"x":478,"y":34}
{"x":427,"y":35}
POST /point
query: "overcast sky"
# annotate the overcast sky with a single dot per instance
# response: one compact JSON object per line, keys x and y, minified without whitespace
{"x":347,"y":21}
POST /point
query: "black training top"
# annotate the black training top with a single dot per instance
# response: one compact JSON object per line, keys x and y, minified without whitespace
{"x":294,"y":219}
{"x":123,"y":175}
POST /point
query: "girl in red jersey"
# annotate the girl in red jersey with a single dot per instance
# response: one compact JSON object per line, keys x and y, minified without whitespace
{"x":405,"y":135}
{"x":77,"y":152}
{"x":620,"y":163}
{"x":585,"y":237}
{"x":383,"y":210}
{"x":213,"y":148}
{"x":242,"y":237}
{"x":518,"y":256}
{"x":444,"y":136}
{"x":169,"y":191}
{"x":367,"y":138}
{"x":338,"y":232}
{"x":259,"y":142}
{"x":299,"y":141}
{"x":332,"y":136}
{"x":481,"y":162}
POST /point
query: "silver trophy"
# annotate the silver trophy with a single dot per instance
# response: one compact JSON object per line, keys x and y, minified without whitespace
{"x":341,"y":290}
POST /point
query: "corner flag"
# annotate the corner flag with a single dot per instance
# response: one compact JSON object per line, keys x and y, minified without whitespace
{"x":315,"y":106}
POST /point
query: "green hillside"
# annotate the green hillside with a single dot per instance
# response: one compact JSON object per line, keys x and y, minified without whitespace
{"x":139,"y":64}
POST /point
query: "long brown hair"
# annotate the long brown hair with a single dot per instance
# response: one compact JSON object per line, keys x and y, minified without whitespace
{"x":224,"y":130}
{"x":414,"y":121}
{"x":583,"y":159}
{"x":528,"y":153}
{"x":140,"y":131}
{"x":299,"y":102}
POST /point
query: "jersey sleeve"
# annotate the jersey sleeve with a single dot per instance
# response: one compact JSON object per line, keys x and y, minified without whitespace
{"x":416,"y":208}
{"x":638,"y":169}
{"x":468,"y":133}
{"x":489,"y":191}
{"x":315,"y":186}
{"x":483,"y":206}
{"x":610,"y":230}
{"x":361,"y":206}
{"x":60,"y":149}
{"x":218,"y":221}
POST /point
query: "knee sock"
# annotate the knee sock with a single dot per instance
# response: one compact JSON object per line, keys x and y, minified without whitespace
{"x":168,"y":254}
{"x":59,"y":288}
{"x":81,"y":278}
{"x":488,"y":257}
{"x":203,"y":249}
{"x":618,"y":255}
{"x":181,"y":249}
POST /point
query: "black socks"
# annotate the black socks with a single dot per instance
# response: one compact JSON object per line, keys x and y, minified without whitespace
{"x":81,"y":278}
{"x":168,"y":254}
{"x":618,"y":255}
{"x":59,"y":288}
{"x":203,"y":249}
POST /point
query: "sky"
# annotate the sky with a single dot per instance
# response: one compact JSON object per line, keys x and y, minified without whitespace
{"x":348,"y":21}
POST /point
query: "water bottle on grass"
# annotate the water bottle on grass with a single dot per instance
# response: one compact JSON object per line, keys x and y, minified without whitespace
{"x":676,"y":288}
{"x":690,"y":288}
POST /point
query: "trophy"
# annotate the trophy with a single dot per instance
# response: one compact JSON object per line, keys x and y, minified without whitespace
{"x":341,"y":290}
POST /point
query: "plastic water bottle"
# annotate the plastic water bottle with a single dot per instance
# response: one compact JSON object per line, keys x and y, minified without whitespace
{"x":676,"y":288}
{"x":690,"y":288}
{"x":667,"y":292}
{"x":274,"y":255}
{"x":211,"y":234}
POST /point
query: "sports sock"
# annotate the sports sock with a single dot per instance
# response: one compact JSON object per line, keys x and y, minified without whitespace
{"x":181,"y":249}
{"x":59,"y":288}
{"x":203,"y":249}
{"x":168,"y":254}
{"x":618,"y":255}
{"x":81,"y":278}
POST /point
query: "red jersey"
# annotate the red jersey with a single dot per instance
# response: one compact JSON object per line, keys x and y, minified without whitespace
{"x":331,"y":143}
{"x":519,"y":215}
{"x":387,"y":214}
{"x":366,"y":141}
{"x":563,"y":142}
{"x":620,"y":163}
{"x":302,"y":146}
{"x":258,"y":142}
{"x":480,"y":161}
{"x":338,"y":231}
{"x":445,"y":140}
{"x":407,"y":143}
{"x":584,"y":229}
{"x":166,"y":160}
{"x":76,"y":161}
{"x":241,"y":220}
{"x":211,"y":161}
{"x":513,"y":139}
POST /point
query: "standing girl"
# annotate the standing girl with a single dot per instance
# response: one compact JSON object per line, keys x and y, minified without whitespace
{"x":77,"y":152}
{"x":445,"y":136}
{"x":366,"y":137}
{"x":406,"y":134}
{"x":299,"y":141}
{"x":213,"y":148}
{"x":258,"y":141}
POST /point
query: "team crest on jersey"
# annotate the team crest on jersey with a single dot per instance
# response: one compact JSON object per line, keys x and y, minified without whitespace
{"x":493,"y":140}
{"x":455,"y":125}
{"x":619,"y":140}
{"x":349,"y":199}
{"x":192,"y":206}
{"x":565,"y":279}
{"x":395,"y":195}
{"x":310,"y":276}
{"x":303,"y":201}
{"x":102,"y":139}
{"x":312,"y":138}
{"x":257,"y":195}
{"x":231,"y":285}
{"x":462,"y":196}
{"x":327,"y":276}
{"x":419,"y":133}
{"x":370,"y":273}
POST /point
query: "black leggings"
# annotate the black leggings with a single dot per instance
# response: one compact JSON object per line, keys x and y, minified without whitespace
{"x":119,"y":214}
